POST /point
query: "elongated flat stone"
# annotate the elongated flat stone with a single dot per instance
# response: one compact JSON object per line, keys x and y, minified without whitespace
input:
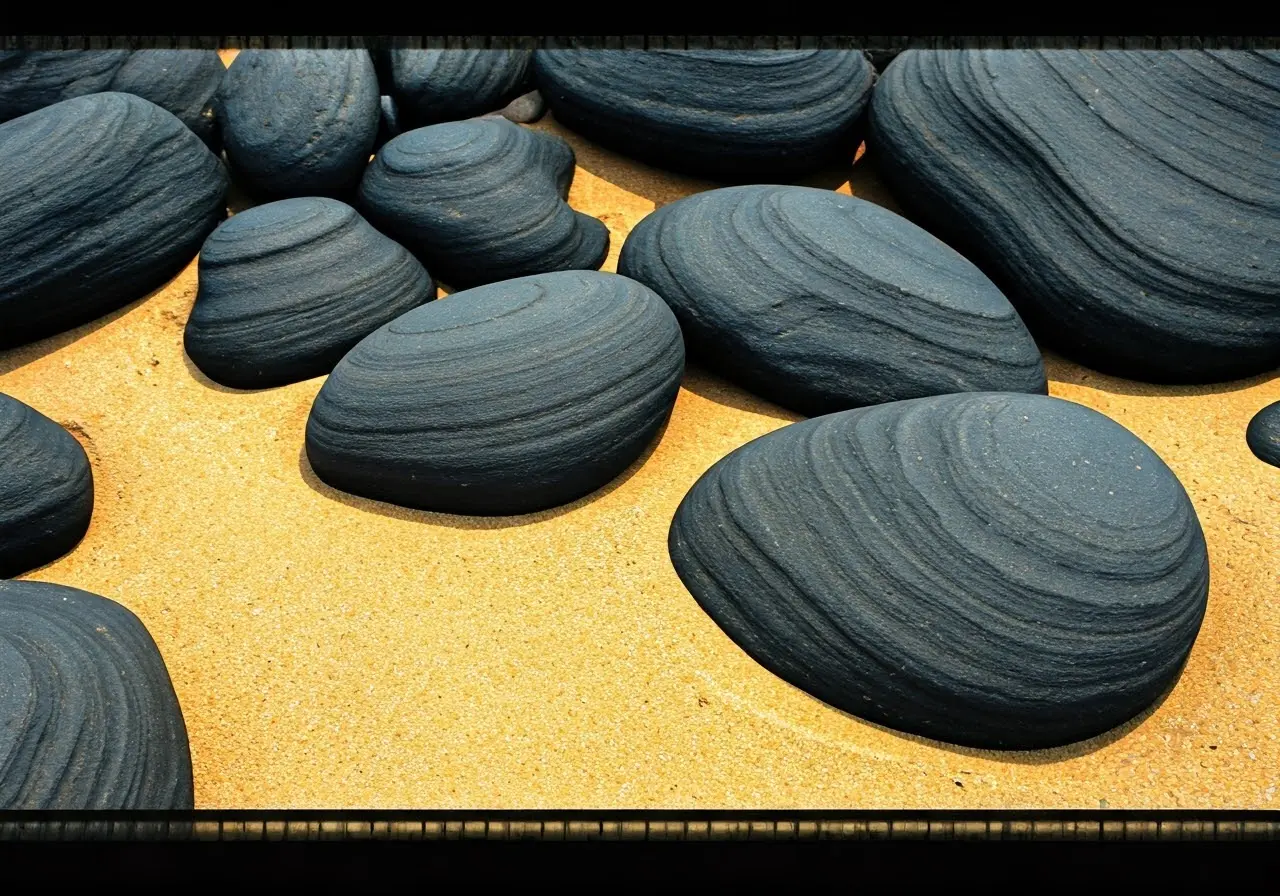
{"x":33,"y":79}
{"x":505,"y":399}
{"x":481,"y":200}
{"x":991,"y":569}
{"x":289,"y":287}
{"x":434,"y":86}
{"x":299,"y":122}
{"x":1263,"y":434}
{"x":1126,"y":202}
{"x":720,"y":113}
{"x":46,"y":489}
{"x":822,"y":302}
{"x":105,"y":197}
{"x":184,"y":82}
{"x":89,"y":716}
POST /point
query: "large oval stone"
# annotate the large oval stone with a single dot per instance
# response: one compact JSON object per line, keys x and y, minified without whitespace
{"x":90,"y":718}
{"x":289,"y":287}
{"x":1128,"y":203}
{"x":105,"y":197}
{"x":185,"y":82}
{"x":46,"y":489}
{"x":822,"y":302}
{"x":299,"y":122}
{"x":433,"y":86}
{"x":991,"y":569}
{"x":482,"y":200}
{"x":720,"y":113}
{"x":504,"y":399}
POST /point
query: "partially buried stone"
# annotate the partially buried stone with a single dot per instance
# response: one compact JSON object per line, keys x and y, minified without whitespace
{"x":506,"y":399}
{"x":1126,"y":202}
{"x":90,"y":717}
{"x":299,"y":122}
{"x":481,"y":200}
{"x":287,"y":288}
{"x":434,"y":86}
{"x":720,"y":113}
{"x":823,"y":302}
{"x":995,"y":570}
{"x":46,"y":490}
{"x":33,"y":79}
{"x":1263,"y":434}
{"x":105,"y":197}
{"x":524,"y":109}
{"x":185,"y":82}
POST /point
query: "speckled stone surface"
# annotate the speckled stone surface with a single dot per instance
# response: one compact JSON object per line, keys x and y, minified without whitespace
{"x":46,"y":489}
{"x":719,"y":113}
{"x":505,"y":399}
{"x":90,"y":718}
{"x":33,"y":79}
{"x":185,"y":82}
{"x":299,"y":122}
{"x":105,"y":197}
{"x":481,"y":200}
{"x":288,"y":288}
{"x":1126,"y":201}
{"x":1263,"y":434}
{"x":433,"y":86}
{"x":989,"y":569}
{"x":823,"y":302}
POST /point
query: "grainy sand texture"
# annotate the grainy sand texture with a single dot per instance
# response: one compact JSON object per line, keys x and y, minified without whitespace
{"x":334,"y":652}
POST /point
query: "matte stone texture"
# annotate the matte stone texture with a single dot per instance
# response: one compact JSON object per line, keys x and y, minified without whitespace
{"x":995,"y":570}
{"x":184,"y":82}
{"x":434,"y":86}
{"x":481,"y":200}
{"x":88,"y":715}
{"x":105,"y":198}
{"x":822,"y":302}
{"x":506,"y":399}
{"x":1263,"y":434}
{"x":721,"y":113}
{"x":288,"y":288}
{"x":1127,"y":202}
{"x":299,"y":122}
{"x":33,"y":79}
{"x":46,"y":490}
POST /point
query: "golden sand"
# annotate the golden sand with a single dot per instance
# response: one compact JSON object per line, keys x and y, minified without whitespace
{"x":335,"y":652}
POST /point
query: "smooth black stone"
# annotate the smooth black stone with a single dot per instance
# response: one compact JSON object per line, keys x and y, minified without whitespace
{"x":46,"y":490}
{"x":1263,"y":434}
{"x":89,"y":716}
{"x":434,"y":86}
{"x":299,"y":122}
{"x":31,"y":80}
{"x":996,"y":570}
{"x":105,"y":198}
{"x":1126,"y":202}
{"x":288,"y":288}
{"x":506,"y":399}
{"x":721,"y":113}
{"x":481,"y":200}
{"x":185,"y":82}
{"x":822,"y":302}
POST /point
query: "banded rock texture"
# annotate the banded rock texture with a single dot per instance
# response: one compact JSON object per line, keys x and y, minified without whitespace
{"x":33,"y":79}
{"x":1263,"y":434}
{"x":89,"y":716}
{"x":720,"y":113}
{"x":504,"y":399}
{"x":481,"y":200}
{"x":996,"y":570}
{"x":434,"y":86}
{"x":289,"y":287}
{"x":184,"y":82}
{"x":105,"y":198}
{"x":822,"y":302}
{"x":299,"y":122}
{"x":1126,"y":202}
{"x":46,"y":490}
